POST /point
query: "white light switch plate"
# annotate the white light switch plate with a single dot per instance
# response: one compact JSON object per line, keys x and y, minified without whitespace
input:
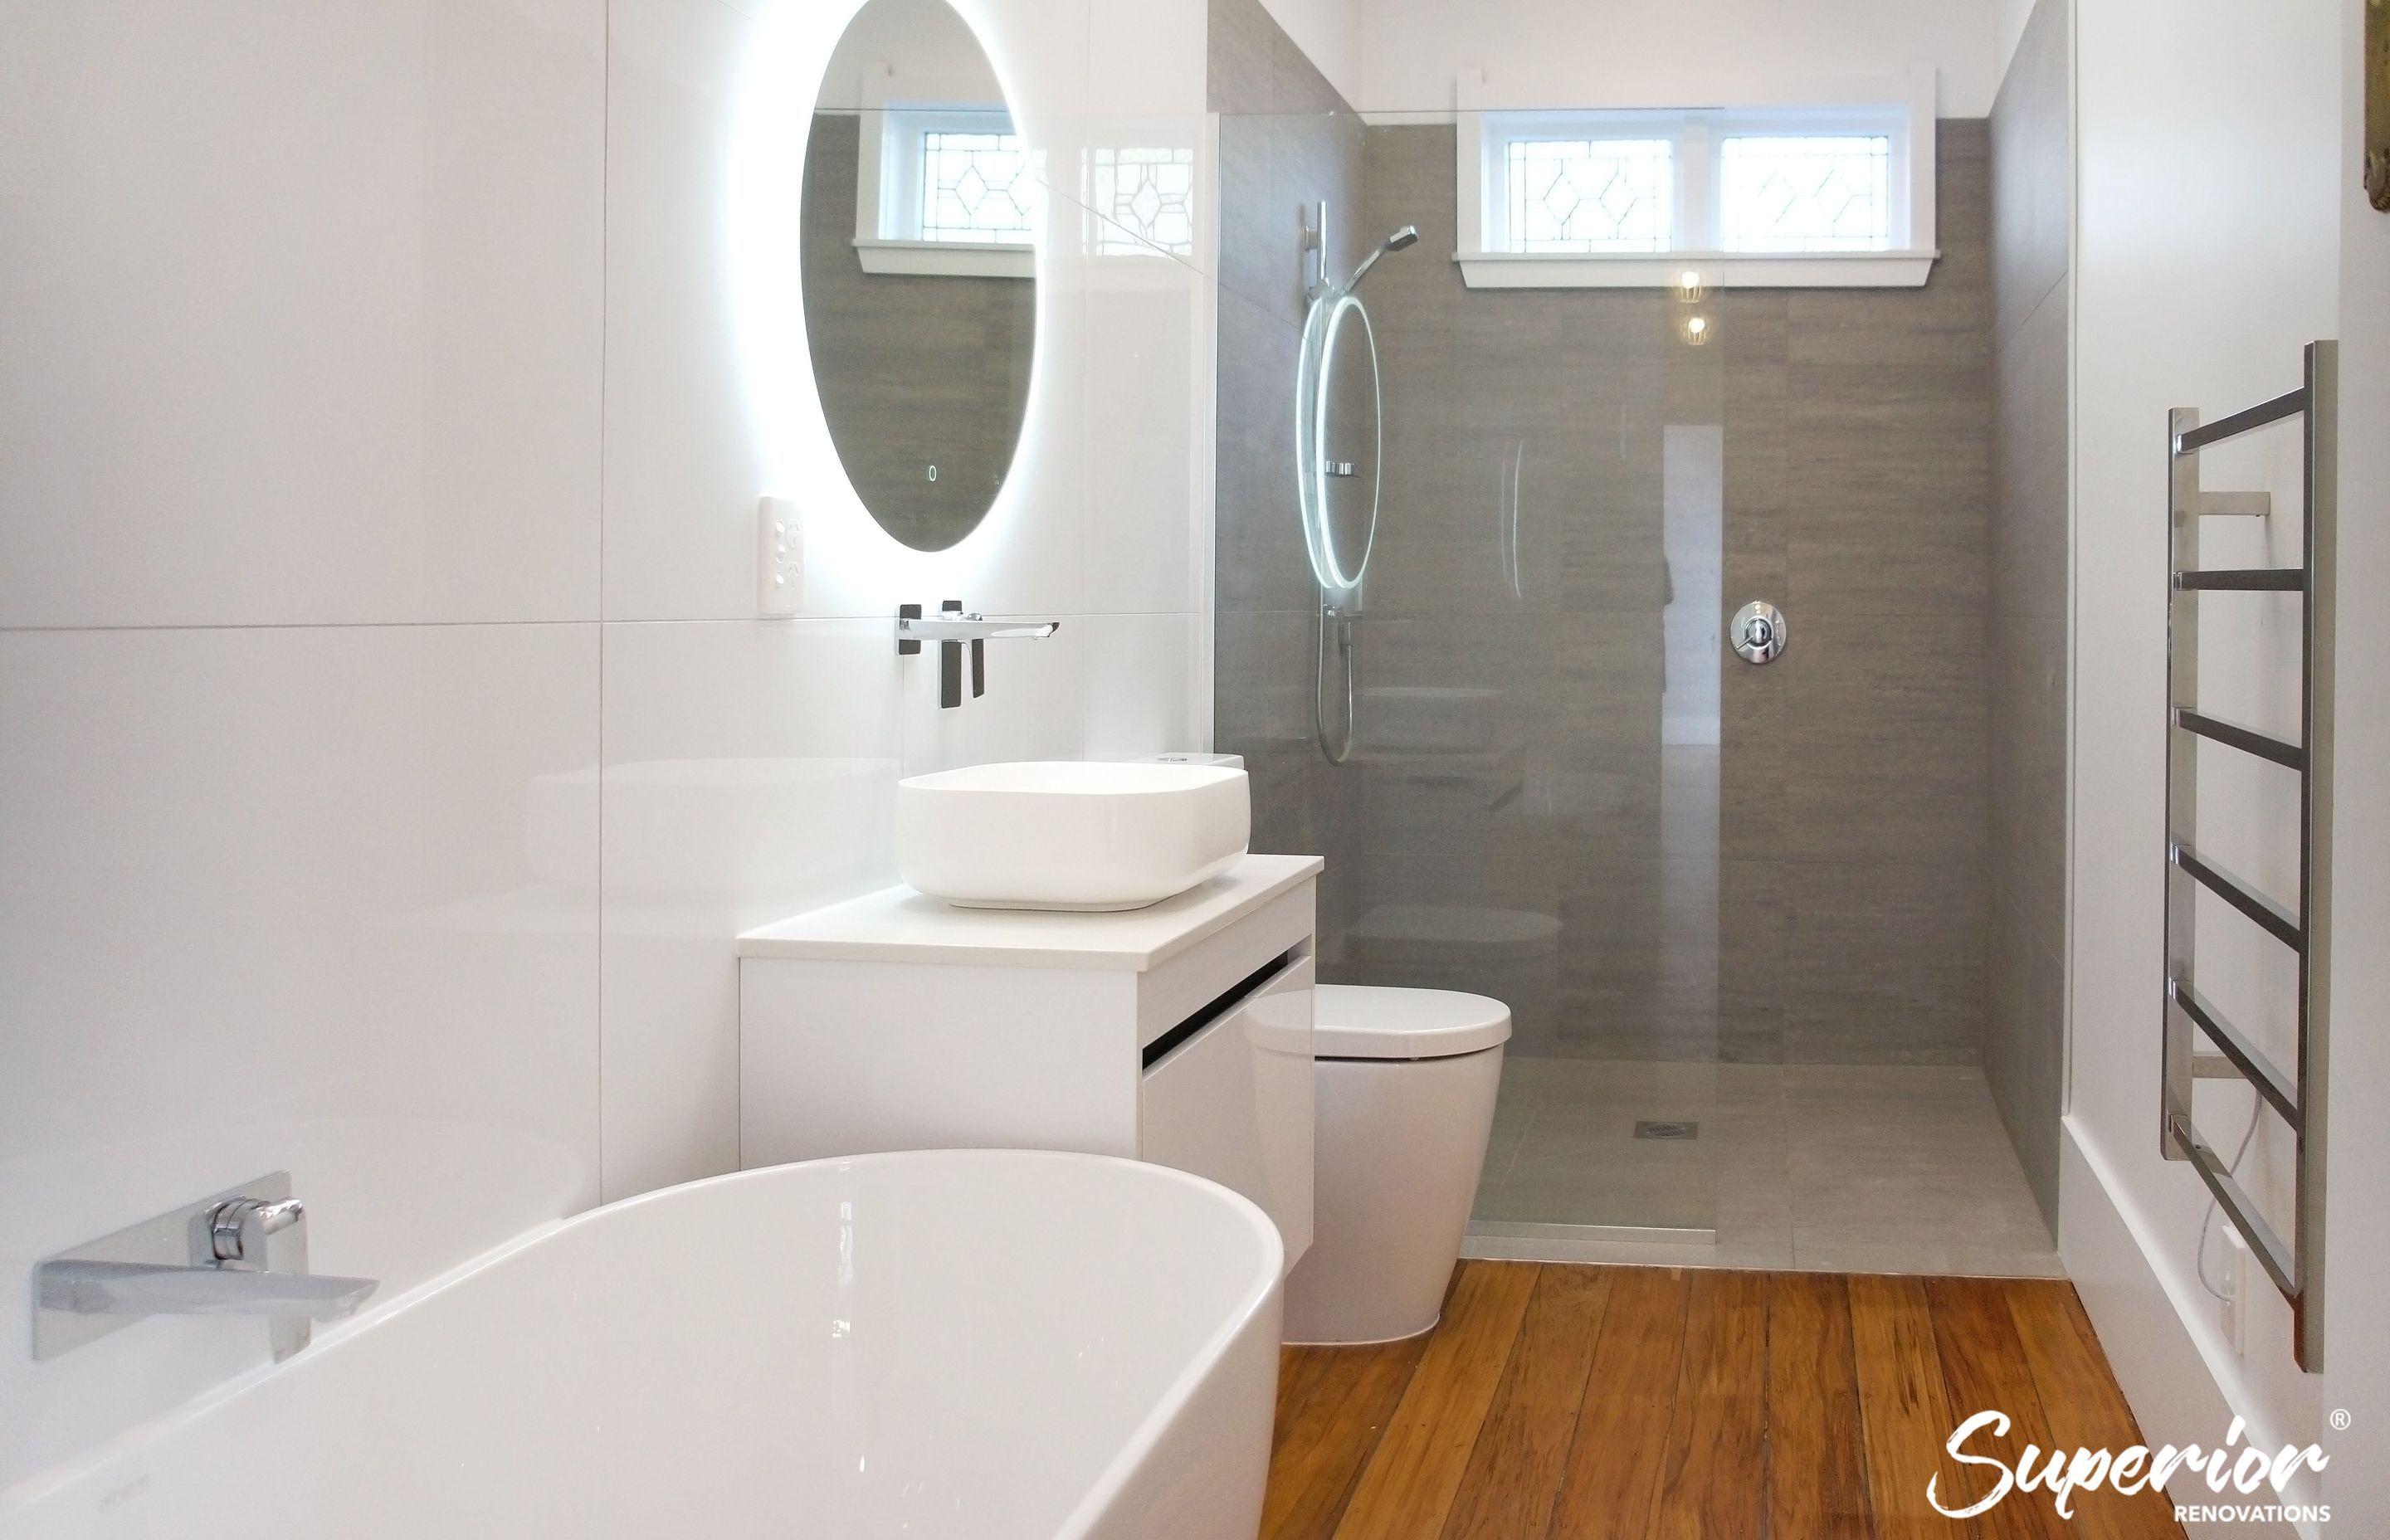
{"x":779,"y":559}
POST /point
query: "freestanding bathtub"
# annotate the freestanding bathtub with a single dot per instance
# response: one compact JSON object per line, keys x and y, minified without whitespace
{"x":981,"y":1343}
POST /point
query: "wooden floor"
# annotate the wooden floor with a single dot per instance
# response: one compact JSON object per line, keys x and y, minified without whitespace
{"x":1631,"y":1402}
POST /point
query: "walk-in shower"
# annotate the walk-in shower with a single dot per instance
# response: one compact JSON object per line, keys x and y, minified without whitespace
{"x":1738,"y":912}
{"x":1340,"y":459}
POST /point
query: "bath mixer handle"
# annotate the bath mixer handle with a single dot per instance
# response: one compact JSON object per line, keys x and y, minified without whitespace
{"x":238,"y":1229}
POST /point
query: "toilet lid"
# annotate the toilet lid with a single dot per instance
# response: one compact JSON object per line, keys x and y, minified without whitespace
{"x":1373,"y":1021}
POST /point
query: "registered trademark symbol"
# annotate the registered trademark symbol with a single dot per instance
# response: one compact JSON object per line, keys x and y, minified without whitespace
{"x":2340,"y":1419}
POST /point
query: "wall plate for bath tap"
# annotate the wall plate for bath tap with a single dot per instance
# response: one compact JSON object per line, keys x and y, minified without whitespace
{"x":177,"y":1240}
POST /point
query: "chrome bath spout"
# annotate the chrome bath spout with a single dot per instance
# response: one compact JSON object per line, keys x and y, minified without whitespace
{"x":157,"y":1289}
{"x":243,"y":1252}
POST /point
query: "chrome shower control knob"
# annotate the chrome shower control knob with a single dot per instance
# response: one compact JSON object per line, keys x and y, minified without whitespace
{"x":1757,"y":631}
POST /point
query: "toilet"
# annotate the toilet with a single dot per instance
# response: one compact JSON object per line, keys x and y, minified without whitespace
{"x":1405,"y":1087}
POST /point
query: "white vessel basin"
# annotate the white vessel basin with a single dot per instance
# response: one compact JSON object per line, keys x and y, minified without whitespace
{"x":936,"y":1345}
{"x":1069,"y":835}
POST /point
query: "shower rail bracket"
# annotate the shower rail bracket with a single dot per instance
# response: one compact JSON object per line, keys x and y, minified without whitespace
{"x":2200,"y":1042}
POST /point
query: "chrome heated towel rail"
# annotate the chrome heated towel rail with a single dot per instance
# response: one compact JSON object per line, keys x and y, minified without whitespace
{"x":2298,"y":1096}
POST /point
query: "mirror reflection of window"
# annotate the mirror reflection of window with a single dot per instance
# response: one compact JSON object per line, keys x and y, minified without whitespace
{"x":975,"y":186}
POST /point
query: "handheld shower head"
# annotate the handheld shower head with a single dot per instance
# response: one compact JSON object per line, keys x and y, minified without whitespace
{"x":1407,"y":235}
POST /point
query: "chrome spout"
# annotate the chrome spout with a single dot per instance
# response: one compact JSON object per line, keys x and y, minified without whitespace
{"x":958,"y":627}
{"x":950,"y":628}
{"x":85,"y":1288}
{"x":243,"y":1252}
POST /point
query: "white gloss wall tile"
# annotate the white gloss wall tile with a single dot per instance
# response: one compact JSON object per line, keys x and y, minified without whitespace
{"x":303,"y":308}
{"x":1138,"y":696}
{"x":272,"y":902}
{"x":1039,"y":49}
{"x":1153,"y":57}
{"x":1146,"y":435}
{"x":750,"y":772}
{"x":684,"y":468}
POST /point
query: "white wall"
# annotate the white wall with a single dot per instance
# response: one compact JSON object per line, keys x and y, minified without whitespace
{"x":2358,"y":1267}
{"x":2208,"y":252}
{"x":1572,"y":53}
{"x":393,"y":752}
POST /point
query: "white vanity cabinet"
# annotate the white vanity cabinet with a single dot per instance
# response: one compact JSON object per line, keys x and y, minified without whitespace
{"x":1178,"y":1034}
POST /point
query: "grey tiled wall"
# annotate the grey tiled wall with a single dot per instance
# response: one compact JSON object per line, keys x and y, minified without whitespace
{"x":2024,"y":1036}
{"x":1853,"y":786}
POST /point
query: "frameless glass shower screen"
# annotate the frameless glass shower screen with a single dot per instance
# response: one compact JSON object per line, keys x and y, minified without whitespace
{"x":1531,"y":805}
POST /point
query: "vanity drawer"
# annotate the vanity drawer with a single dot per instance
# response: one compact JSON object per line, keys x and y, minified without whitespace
{"x":1232,"y":1100}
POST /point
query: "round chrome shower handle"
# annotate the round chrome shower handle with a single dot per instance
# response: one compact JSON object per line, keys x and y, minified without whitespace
{"x":1757,"y":631}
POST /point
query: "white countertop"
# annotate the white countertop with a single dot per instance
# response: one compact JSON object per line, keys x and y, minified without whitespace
{"x":902,"y":924}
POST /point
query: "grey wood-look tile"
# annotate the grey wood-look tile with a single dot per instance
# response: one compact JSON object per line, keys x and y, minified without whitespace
{"x":1242,"y":66}
{"x":1883,"y":1162}
{"x":1298,"y":84}
{"x":2027,"y":744}
{"x":1754,"y":936}
{"x":2024,"y":1051}
{"x":1892,"y":809}
{"x":1883,"y":681}
{"x":1261,"y":560}
{"x":2032,"y":170}
{"x":1885,"y":965}
{"x":1259,"y":240}
{"x":2029,"y":526}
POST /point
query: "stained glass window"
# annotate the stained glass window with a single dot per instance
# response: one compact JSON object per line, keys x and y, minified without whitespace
{"x":1148,"y":196}
{"x":1813,"y":193}
{"x":976,"y":187}
{"x":1591,"y":195}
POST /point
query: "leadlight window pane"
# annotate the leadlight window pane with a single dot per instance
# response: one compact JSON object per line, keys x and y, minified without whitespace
{"x":1811,"y":193}
{"x":1147,"y":197}
{"x":976,"y":187}
{"x":1592,"y":195}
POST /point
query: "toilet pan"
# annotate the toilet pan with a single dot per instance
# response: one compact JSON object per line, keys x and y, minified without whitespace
{"x":1405,"y":1087}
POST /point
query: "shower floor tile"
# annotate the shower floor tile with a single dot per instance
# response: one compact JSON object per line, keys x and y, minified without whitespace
{"x":1815,"y":1167}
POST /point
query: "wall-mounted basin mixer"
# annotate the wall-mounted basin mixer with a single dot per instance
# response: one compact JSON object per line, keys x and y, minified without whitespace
{"x":950,"y":628}
{"x":243,"y":1252}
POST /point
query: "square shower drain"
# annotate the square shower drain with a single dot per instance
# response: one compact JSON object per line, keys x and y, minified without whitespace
{"x":1667,"y":1130}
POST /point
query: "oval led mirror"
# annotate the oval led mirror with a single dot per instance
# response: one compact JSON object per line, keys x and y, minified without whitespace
{"x":919,"y":254}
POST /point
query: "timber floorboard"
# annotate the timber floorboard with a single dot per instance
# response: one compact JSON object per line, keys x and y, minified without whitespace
{"x":1570,"y":1403}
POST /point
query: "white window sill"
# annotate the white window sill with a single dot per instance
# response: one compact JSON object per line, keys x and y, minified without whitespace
{"x":954,"y":258}
{"x":1718,"y":270}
